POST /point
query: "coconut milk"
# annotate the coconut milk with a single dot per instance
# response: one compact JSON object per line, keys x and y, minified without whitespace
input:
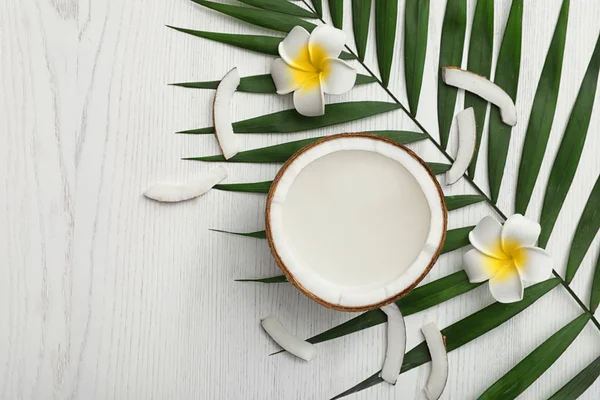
{"x":356,"y":218}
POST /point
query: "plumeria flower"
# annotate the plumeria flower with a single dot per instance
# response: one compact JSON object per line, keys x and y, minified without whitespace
{"x":309,"y":67}
{"x":506,"y":256}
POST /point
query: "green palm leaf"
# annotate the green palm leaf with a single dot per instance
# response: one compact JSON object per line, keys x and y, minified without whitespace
{"x":386,"y":17}
{"x":274,"y":279}
{"x":417,"y":300}
{"x":336,"y":9}
{"x":588,"y":225}
{"x":284,"y":7}
{"x":595,"y":294}
{"x":507,"y":77}
{"x":515,"y":381}
{"x":465,"y":330}
{"x":571,"y":147}
{"x":253,"y":187}
{"x":438,"y":168}
{"x":256,"y":235}
{"x":263,"y":18}
{"x":579,"y":384}
{"x":451,"y":52}
{"x":460,"y":201}
{"x":480,"y":61}
{"x":361,"y":15}
{"x":258,"y":43}
{"x":456,"y":238}
{"x":281,"y":152}
{"x":290,"y":121}
{"x":318,"y":5}
{"x":258,"y":83}
{"x":416,"y":26}
{"x":542,"y":114}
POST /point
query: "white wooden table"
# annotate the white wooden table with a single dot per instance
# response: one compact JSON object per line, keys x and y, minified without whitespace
{"x":106,"y":295}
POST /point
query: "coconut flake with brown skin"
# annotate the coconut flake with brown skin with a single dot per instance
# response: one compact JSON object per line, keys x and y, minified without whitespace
{"x":290,"y":343}
{"x":483,"y":88}
{"x":396,"y":344}
{"x":467,"y":128}
{"x":439,"y":361}
{"x":171,"y":193}
{"x":221,"y":116}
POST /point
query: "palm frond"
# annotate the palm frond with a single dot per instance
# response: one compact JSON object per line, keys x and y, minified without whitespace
{"x":281,"y":152}
{"x":284,"y":7}
{"x":336,"y":9}
{"x":265,"y":18}
{"x":361,"y":16}
{"x":255,"y":235}
{"x":569,"y":153}
{"x":419,"y":299}
{"x":542,"y":114}
{"x":416,"y":26}
{"x":464,"y":331}
{"x":258,"y":43}
{"x":507,"y":77}
{"x":519,"y":378}
{"x":386,"y":18}
{"x":588,"y":226}
{"x":579,"y":384}
{"x":451,"y":52}
{"x":595,"y":292}
{"x":290,"y":121}
{"x":480,"y":61}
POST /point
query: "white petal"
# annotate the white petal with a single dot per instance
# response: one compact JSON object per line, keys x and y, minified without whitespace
{"x":286,"y":78}
{"x":337,"y":76}
{"x":506,"y":285}
{"x":309,"y":100}
{"x":535,"y":264}
{"x":519,"y":231}
{"x":294,"y":49}
{"x":480,"y":267}
{"x":325,"y":42}
{"x":486,"y":237}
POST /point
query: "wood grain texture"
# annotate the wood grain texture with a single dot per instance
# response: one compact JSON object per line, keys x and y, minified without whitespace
{"x":106,"y":295}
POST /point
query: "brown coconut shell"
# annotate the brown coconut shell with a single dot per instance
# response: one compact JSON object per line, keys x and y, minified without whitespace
{"x":290,"y":277}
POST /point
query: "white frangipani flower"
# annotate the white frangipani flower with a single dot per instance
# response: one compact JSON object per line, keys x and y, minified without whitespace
{"x":309,"y":67}
{"x":506,"y":255}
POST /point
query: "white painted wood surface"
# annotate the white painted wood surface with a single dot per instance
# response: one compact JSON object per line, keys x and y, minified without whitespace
{"x":107,"y":295}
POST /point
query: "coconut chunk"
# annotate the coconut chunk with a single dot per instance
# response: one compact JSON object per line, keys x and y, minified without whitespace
{"x":396,"y":344}
{"x":467,"y":128}
{"x":483,"y":88}
{"x":290,"y":343}
{"x":439,"y":361}
{"x":171,"y":193}
{"x":221,"y":114}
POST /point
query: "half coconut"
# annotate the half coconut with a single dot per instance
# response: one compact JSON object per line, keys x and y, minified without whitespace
{"x":355,"y":221}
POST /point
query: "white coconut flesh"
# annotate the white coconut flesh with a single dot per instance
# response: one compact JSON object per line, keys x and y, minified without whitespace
{"x":355,"y":221}
{"x":170,"y":193}
{"x":221,"y":114}
{"x":439,"y":361}
{"x":467,"y":133}
{"x":396,"y":344}
{"x":483,"y":88}
{"x":292,"y":344}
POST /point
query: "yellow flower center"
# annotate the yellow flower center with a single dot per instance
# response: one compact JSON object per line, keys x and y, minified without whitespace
{"x":311,"y":66}
{"x":509,"y":255}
